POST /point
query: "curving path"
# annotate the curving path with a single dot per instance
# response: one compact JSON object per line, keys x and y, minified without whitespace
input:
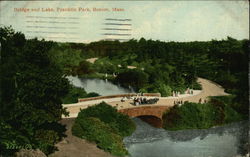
{"x":209,"y":88}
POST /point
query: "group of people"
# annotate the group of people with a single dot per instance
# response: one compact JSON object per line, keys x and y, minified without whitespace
{"x":176,"y":94}
{"x":200,"y":101}
{"x":143,"y":100}
{"x":139,"y":100}
{"x":188,"y":91}
{"x":178,"y":102}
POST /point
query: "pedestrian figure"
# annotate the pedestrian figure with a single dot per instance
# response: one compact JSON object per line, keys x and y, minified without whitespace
{"x":200,"y":100}
{"x":123,"y":99}
{"x":144,"y":100}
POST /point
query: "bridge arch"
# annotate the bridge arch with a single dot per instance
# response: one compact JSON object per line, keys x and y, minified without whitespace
{"x":156,"y":111}
{"x":150,"y":114}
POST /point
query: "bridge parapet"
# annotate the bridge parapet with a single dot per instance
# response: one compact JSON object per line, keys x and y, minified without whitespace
{"x":119,"y":95}
{"x":156,"y":111}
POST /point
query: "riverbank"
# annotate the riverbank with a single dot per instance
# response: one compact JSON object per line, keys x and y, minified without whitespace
{"x":222,"y":141}
{"x":72,"y":146}
{"x":208,"y":89}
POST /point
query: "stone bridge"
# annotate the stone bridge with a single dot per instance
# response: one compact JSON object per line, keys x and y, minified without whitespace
{"x":156,"y":111}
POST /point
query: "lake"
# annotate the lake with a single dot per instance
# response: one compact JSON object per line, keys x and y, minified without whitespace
{"x":147,"y":141}
{"x":223,"y":141}
{"x":102,"y":87}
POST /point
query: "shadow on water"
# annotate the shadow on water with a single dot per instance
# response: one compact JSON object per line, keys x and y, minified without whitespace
{"x":221,"y":141}
{"x":152,"y":120}
{"x":238,"y":130}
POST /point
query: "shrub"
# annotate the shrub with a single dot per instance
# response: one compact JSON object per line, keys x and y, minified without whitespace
{"x":135,"y":78}
{"x":75,"y":93}
{"x":108,"y":114}
{"x":200,"y":116}
{"x":106,"y":127}
{"x":197,"y":86}
{"x":189,"y":116}
{"x":162,"y":88}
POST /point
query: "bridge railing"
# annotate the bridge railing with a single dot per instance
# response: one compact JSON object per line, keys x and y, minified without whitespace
{"x":119,"y":95}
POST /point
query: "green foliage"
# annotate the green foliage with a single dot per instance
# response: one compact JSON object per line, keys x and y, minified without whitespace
{"x":134,"y":78}
{"x":84,"y":67}
{"x":11,"y":139}
{"x":231,"y":115}
{"x":200,"y":116}
{"x":108,"y":114}
{"x":97,"y":131}
{"x":160,"y":87}
{"x":65,"y":57}
{"x":46,"y":140}
{"x":33,"y":83}
{"x":229,"y":106}
{"x":189,"y":116}
{"x":197,"y":86}
{"x":75,"y":93}
{"x":33,"y":86}
{"x":105,"y":126}
{"x":165,"y":90}
{"x":105,"y":65}
{"x":175,"y":64}
{"x":92,"y":94}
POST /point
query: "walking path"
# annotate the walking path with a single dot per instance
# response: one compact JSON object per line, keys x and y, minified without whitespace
{"x":91,"y":60}
{"x":209,"y":88}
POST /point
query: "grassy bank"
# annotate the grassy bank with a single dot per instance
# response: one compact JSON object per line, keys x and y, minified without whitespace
{"x":218,"y":111}
{"x":75,"y":93}
{"x":106,"y":127}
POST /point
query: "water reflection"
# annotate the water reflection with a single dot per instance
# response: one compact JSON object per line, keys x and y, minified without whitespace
{"x":102,"y":87}
{"x":226,"y":141}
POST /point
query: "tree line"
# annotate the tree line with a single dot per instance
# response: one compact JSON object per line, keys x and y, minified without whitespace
{"x":33,"y":82}
{"x":169,"y":66}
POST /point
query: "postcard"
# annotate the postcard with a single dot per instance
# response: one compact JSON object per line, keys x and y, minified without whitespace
{"x":124,"y":78}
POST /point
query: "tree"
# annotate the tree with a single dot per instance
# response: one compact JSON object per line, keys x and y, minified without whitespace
{"x":84,"y":68}
{"x":134,"y":78}
{"x":105,"y":126}
{"x":32,"y":88}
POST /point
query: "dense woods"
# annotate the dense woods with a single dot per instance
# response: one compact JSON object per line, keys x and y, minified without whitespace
{"x":33,"y":83}
{"x":164,"y":66}
{"x":32,"y":87}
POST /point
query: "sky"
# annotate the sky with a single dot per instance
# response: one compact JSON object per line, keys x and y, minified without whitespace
{"x":157,"y":20}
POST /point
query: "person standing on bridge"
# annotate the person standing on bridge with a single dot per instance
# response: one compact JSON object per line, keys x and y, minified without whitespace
{"x":192,"y":92}
{"x":200,"y":100}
